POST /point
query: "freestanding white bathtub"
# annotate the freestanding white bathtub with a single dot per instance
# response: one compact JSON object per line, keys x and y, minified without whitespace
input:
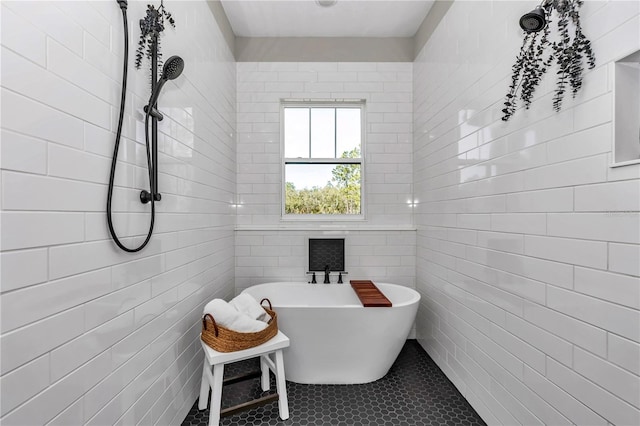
{"x":334,"y":339}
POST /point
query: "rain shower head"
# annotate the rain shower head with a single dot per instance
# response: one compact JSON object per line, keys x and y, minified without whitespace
{"x":172,"y":68}
{"x":533,"y":21}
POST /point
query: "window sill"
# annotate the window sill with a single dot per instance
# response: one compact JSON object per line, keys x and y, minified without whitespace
{"x":296,"y":218}
{"x":322,"y":227}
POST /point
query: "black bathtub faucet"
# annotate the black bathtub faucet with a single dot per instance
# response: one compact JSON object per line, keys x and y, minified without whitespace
{"x":326,"y":275}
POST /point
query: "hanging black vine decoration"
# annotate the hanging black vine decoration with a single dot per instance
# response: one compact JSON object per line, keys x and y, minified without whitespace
{"x":567,"y":53}
{"x":151,"y":26}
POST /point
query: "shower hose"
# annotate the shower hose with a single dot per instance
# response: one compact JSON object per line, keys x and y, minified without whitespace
{"x":123,"y":7}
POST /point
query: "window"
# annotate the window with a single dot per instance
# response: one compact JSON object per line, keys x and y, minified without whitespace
{"x":322,"y":165}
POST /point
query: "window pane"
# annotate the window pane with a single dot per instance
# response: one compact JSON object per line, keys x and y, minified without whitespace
{"x":296,"y":132}
{"x":323,"y":124}
{"x":348,"y":132}
{"x":322,"y":189}
{"x":308,"y":176}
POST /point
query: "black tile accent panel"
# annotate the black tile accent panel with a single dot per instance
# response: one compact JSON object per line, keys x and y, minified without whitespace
{"x":414,"y":392}
{"x":326,"y":251}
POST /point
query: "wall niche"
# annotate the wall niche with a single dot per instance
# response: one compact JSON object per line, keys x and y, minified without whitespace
{"x":626,"y":113}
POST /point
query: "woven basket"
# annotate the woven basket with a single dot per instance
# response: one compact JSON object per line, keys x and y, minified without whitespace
{"x":222,"y":339}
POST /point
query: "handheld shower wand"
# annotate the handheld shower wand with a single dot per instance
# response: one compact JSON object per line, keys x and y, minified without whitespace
{"x":170,"y":71}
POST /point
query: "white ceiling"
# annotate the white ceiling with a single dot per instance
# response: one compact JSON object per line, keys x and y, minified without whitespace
{"x":305,"y":18}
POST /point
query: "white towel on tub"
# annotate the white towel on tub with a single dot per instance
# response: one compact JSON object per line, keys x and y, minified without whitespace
{"x":246,"y":303}
{"x":229,"y":317}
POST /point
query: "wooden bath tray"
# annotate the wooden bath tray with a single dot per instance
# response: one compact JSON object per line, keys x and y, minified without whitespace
{"x":369,"y":294}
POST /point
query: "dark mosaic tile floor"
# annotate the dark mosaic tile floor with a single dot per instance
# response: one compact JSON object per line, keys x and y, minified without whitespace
{"x":414,"y":392}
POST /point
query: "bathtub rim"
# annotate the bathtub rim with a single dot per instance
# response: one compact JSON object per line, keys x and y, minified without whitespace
{"x":414,"y":298}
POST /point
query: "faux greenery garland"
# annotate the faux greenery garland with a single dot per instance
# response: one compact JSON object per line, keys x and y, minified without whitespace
{"x":150,"y":28}
{"x":567,"y":53}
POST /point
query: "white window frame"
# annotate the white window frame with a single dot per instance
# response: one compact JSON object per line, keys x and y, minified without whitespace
{"x":333,"y":103}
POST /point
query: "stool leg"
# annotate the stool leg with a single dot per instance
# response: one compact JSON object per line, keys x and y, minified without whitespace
{"x":216,"y":395}
{"x":203,"y":401}
{"x":283,"y":402}
{"x":264,"y":367}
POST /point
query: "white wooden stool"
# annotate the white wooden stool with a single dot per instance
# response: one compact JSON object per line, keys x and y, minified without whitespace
{"x":216,"y":360}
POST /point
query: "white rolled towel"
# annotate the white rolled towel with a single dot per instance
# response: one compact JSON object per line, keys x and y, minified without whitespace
{"x":246,"y":303}
{"x":229,"y":317}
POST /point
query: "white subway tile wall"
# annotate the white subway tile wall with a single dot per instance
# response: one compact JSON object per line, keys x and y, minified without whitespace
{"x":382,"y":247}
{"x":527,"y":242}
{"x":386,"y":89}
{"x":90,"y":334}
{"x":275,"y":255}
